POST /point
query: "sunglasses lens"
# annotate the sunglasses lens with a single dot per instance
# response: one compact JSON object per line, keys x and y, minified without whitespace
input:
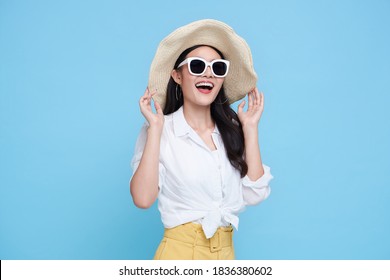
{"x":219,"y":68}
{"x":197,"y":66}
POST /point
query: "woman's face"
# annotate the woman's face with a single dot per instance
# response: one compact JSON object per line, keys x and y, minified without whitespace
{"x":199,"y":90}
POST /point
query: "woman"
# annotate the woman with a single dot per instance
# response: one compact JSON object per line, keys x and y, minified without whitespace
{"x":195,"y":154}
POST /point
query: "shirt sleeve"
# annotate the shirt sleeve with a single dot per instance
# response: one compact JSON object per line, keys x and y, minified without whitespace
{"x":255,"y":192}
{"x":138,"y":151}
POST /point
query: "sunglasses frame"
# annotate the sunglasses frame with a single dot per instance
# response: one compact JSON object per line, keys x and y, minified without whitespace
{"x":188,"y":61}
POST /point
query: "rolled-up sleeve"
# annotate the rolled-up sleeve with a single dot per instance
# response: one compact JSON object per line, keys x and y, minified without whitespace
{"x":138,"y":151}
{"x":139,"y":147}
{"x":255,"y":192}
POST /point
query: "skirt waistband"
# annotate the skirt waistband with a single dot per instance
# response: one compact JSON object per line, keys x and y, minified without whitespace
{"x":193,"y":234}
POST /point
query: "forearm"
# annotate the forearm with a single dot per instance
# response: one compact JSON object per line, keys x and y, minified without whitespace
{"x":144,"y":184}
{"x":252,"y":153}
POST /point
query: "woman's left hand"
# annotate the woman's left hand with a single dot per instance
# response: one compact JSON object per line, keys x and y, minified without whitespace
{"x":251,"y":117}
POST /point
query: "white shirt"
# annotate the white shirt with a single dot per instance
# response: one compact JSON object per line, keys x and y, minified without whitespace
{"x":197,"y":184}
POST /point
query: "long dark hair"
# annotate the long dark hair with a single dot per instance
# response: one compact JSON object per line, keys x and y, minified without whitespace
{"x":225,"y":118}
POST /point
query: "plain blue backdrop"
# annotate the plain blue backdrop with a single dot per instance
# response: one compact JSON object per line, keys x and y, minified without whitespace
{"x":71,"y":74}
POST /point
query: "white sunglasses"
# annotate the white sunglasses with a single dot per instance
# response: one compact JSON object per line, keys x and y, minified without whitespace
{"x":197,"y":66}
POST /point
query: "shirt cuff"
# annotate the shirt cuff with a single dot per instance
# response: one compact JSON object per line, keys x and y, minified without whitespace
{"x":262,"y":182}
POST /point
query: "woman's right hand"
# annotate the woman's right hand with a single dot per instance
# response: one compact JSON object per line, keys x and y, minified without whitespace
{"x":155,"y":120}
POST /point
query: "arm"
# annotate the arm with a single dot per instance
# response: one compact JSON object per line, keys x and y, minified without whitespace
{"x":256,"y":182}
{"x":252,"y":154}
{"x":144,"y":184}
{"x":250,"y":120}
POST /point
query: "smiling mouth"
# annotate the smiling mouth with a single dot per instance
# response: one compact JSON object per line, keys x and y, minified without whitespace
{"x":204,"y":87}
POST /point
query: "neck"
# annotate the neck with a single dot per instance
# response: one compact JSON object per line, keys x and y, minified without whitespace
{"x":199,"y":117}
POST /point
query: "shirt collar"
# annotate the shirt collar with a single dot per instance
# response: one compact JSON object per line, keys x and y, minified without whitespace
{"x":180,"y":125}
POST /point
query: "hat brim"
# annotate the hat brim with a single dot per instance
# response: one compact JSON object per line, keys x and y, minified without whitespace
{"x":241,"y":77}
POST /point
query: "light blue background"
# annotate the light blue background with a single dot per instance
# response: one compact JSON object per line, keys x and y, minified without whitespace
{"x":71,"y":74}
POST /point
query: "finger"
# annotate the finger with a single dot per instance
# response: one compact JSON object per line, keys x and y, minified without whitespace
{"x":144,"y":105}
{"x":145,"y":98}
{"x":154,"y":92}
{"x":158,"y":108}
{"x":240,"y":107}
{"x":261,"y":100}
{"x":146,"y":93}
{"x":257,"y":97}
{"x":142,"y":100}
{"x":250,"y":101}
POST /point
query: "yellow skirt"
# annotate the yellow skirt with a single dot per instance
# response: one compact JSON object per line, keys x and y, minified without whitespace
{"x":188,"y":242}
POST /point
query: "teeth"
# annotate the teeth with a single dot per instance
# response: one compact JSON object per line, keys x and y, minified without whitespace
{"x":204,"y":84}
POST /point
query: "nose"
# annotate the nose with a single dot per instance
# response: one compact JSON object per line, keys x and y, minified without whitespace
{"x":208,"y":72}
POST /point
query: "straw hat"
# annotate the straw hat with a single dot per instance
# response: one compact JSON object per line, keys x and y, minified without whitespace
{"x":241,"y":77}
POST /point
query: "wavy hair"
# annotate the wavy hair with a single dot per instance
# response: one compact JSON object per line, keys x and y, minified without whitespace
{"x":224,"y":116}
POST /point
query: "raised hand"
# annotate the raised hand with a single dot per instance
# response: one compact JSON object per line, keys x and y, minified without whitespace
{"x":252,"y":116}
{"x":154,"y":119}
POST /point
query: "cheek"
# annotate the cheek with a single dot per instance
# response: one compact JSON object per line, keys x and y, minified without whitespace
{"x":186,"y":85}
{"x":187,"y":82}
{"x":219,"y":84}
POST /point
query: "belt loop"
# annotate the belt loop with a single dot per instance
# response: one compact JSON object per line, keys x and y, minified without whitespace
{"x":194,"y":244}
{"x":215,"y":242}
{"x":196,"y":238}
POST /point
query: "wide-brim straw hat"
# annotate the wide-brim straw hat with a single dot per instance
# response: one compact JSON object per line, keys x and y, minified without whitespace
{"x":241,"y":78}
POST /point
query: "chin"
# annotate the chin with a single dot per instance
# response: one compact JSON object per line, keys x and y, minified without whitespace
{"x":201,"y":99}
{"x":205,"y":100}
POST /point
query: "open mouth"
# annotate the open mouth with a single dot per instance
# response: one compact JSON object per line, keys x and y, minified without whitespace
{"x":204,"y":87}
